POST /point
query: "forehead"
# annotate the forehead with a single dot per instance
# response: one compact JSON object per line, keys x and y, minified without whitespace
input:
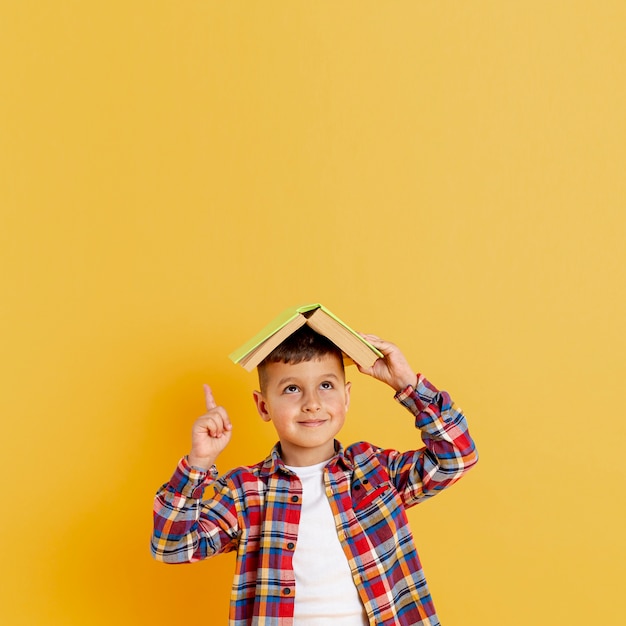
{"x":328,"y":365}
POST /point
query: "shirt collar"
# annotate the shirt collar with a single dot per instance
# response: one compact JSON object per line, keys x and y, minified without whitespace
{"x":274,"y":463}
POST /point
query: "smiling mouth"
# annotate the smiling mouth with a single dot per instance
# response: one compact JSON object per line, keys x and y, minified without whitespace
{"x":312,"y":423}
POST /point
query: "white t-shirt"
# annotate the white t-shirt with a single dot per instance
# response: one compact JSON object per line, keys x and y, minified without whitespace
{"x":325,"y":591}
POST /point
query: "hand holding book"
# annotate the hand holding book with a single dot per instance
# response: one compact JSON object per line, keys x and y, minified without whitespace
{"x":393,"y":368}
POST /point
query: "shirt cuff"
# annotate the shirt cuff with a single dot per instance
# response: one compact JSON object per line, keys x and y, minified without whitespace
{"x":418,"y":397}
{"x":190,"y":481}
{"x":429,"y":406}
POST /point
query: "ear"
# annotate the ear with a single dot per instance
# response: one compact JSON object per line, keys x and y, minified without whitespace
{"x":261,"y":406}
{"x":348,"y":387}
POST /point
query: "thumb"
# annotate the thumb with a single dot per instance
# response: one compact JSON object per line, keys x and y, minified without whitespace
{"x":208,"y":398}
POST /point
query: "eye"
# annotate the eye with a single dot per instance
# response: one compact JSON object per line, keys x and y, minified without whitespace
{"x":326,"y":385}
{"x":291,"y":389}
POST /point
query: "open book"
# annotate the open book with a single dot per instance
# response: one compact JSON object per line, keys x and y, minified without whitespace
{"x":320,"y":319}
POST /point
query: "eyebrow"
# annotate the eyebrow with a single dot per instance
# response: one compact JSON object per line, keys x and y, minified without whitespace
{"x":288,"y":379}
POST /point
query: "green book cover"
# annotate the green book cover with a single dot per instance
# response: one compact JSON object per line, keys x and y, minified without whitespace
{"x":267,"y":331}
{"x":285,"y":318}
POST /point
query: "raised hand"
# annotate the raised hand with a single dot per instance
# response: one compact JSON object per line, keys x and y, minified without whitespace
{"x":210,"y":433}
{"x":393,"y":368}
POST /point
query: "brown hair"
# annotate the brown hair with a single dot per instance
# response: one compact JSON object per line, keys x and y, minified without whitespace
{"x":303,"y":345}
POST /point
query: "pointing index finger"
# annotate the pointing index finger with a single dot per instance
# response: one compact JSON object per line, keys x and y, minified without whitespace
{"x":208,"y":398}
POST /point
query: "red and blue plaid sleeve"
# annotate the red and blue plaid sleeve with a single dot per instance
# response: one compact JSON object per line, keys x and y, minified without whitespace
{"x":187,"y":529}
{"x":449,"y":450}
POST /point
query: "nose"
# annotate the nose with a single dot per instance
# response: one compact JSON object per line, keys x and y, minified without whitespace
{"x":311,"y":403}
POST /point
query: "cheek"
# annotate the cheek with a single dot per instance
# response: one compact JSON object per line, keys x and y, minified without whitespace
{"x":340,"y":407}
{"x":284,"y":406}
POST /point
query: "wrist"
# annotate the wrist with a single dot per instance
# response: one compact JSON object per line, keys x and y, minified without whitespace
{"x":203,"y":463}
{"x":404,"y":381}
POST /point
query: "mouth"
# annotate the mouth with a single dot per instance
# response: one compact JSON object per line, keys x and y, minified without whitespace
{"x":312,"y":423}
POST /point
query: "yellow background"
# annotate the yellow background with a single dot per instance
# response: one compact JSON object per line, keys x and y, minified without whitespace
{"x":448,"y":175}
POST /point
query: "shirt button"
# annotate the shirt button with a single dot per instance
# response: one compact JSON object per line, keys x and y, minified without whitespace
{"x":357,"y":487}
{"x":291,"y":545}
{"x":286,"y":591}
{"x":294,"y":498}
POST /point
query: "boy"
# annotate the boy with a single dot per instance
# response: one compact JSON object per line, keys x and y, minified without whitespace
{"x":320,"y":531}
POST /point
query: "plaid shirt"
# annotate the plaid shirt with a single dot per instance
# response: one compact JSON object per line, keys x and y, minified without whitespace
{"x":255,"y":511}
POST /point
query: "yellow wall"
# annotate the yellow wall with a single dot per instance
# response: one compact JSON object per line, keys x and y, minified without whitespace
{"x":449,"y":175}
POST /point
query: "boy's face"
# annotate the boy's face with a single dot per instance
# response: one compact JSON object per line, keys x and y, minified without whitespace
{"x":307,"y":403}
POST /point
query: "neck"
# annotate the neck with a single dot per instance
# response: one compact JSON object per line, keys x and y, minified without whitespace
{"x":303,"y":457}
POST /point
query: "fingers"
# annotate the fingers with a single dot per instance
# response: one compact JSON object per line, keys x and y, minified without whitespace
{"x":377,"y":342}
{"x":218,"y":425}
{"x":208,"y":398}
{"x":215,"y":423}
{"x":372,"y":338}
